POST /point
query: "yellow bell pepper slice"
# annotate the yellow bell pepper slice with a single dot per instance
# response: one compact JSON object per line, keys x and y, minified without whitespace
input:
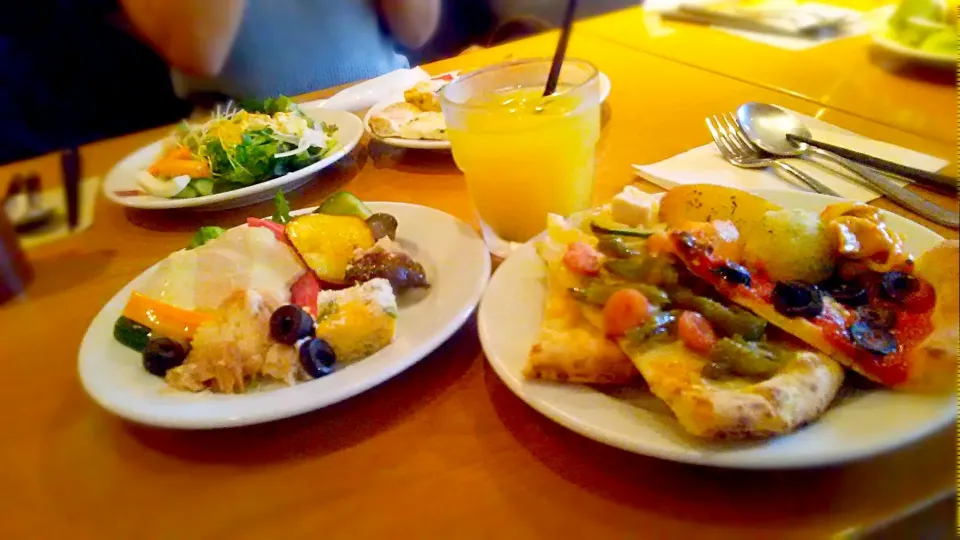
{"x":164,"y":319}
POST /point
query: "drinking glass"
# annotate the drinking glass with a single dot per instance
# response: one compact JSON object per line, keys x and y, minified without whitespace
{"x":524,"y":155}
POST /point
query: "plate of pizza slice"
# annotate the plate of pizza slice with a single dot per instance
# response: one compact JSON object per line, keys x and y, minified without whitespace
{"x":712,"y":326}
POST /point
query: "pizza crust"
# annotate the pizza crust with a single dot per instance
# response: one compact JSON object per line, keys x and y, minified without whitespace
{"x":800,"y":391}
{"x":569,"y":349}
{"x":933,"y":364}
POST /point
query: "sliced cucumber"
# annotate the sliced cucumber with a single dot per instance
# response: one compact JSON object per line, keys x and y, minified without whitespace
{"x":203,"y":186}
{"x":343,"y":203}
{"x":609,"y":227}
{"x":187,"y":193}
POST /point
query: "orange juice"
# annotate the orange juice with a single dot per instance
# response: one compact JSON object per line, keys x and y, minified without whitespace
{"x":525,"y":156}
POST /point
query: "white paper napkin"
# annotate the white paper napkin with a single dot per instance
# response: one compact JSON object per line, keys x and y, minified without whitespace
{"x":705,"y":165}
{"x":859,"y":23}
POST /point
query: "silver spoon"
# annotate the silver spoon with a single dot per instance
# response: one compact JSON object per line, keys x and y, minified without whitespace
{"x":767,"y":126}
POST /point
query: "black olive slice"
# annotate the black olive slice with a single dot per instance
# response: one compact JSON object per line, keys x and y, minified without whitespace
{"x":877,"y":317}
{"x":897,"y":286}
{"x":797,"y":299}
{"x":848,"y":294}
{"x":875,"y":340}
{"x":733,"y":273}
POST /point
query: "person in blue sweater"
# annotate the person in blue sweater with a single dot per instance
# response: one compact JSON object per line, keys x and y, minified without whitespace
{"x":261,"y":48}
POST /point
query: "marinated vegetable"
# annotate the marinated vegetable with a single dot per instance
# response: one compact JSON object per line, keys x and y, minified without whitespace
{"x":383,"y":226}
{"x":745,"y":358}
{"x":696,"y":332}
{"x":204,"y":235}
{"x":792,"y":245}
{"x":396,"y":267}
{"x":327,"y":243}
{"x":732,"y":321}
{"x":625,"y":309}
{"x":582,"y":259}
{"x":597,"y":292}
{"x":603,"y":227}
{"x":797,"y":299}
{"x":131,"y":333}
{"x":614,"y":246}
{"x":652,"y":270}
{"x":847,"y":293}
{"x":657,"y":325}
{"x":897,"y":286}
{"x":344,"y":203}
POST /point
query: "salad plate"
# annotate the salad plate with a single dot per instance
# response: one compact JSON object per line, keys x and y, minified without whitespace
{"x":121,"y":183}
{"x":860,"y":423}
{"x":424,"y":144}
{"x":455,"y":261}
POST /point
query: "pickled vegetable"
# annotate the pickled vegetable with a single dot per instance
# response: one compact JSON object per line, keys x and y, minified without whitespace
{"x":745,"y":358}
{"x":604,"y":227}
{"x":732,"y":321}
{"x":657,"y":325}
{"x":651,"y":270}
{"x":343,"y":203}
{"x":383,"y":225}
{"x":597,"y":292}
{"x":797,"y":299}
{"x":131,"y":333}
{"x":398,"y":268}
{"x":625,"y":309}
{"x":615,"y":246}
{"x":327,"y":243}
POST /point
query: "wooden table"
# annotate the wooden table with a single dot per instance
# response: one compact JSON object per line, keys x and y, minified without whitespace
{"x":847,"y":75}
{"x":444,"y":450}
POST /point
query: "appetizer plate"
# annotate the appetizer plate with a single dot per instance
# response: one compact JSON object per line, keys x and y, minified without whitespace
{"x":859,"y":424}
{"x":440,"y":145}
{"x":457,"y":265}
{"x":123,"y":175}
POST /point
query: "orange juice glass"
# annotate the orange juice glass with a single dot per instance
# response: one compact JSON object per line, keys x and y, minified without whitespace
{"x":524,"y":155}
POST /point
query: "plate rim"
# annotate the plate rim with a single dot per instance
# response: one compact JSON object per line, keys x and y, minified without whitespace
{"x":602,"y":434}
{"x":441,"y":335}
{"x":158,"y":203}
{"x":422,"y":144}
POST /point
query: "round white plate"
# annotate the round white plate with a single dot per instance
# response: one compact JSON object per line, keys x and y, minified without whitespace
{"x":457,"y":265}
{"x":441,"y":145}
{"x":856,"y":426}
{"x":879,"y":35}
{"x":123,"y":175}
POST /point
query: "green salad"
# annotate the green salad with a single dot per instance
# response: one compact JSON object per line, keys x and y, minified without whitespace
{"x":240,"y":145}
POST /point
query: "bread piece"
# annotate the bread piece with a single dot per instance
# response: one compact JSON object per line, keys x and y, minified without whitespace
{"x":388,"y":121}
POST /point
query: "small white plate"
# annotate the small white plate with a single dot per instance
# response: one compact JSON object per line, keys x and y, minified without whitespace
{"x":604,"y":82}
{"x":855,"y":427}
{"x":123,"y":175}
{"x":457,"y":265}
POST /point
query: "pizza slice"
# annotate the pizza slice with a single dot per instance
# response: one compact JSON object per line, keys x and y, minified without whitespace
{"x":851,"y":290}
{"x":619,"y":304}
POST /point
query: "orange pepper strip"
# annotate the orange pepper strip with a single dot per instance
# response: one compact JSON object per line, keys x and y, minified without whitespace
{"x":164,"y":319}
{"x":176,"y":167}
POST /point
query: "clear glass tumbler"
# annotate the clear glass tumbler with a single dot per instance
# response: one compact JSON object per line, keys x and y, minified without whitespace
{"x":524,"y":155}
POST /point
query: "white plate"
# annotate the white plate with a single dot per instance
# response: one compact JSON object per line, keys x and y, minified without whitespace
{"x":123,"y":175}
{"x":860,"y":425}
{"x":457,"y":265}
{"x":879,"y":35}
{"x":441,"y":145}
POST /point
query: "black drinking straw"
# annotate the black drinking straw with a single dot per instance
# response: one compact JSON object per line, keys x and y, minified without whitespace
{"x":561,"y":51}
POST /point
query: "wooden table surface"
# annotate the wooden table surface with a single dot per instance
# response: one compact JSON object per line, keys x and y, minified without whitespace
{"x":849,"y":75}
{"x":444,"y":450}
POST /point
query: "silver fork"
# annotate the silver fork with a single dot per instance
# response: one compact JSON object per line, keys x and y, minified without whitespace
{"x":737,"y":150}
